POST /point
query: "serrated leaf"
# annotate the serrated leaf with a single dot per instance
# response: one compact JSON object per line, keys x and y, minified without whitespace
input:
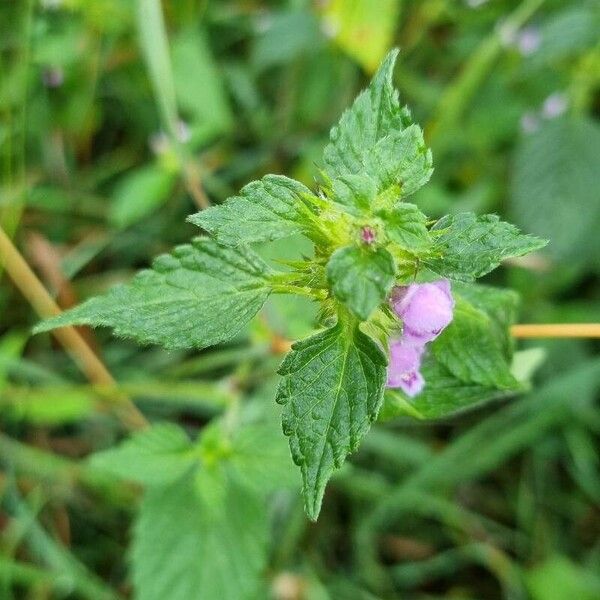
{"x":406,"y":225}
{"x":361,"y":278}
{"x":499,"y":304}
{"x":471,"y":349}
{"x":400,"y":160}
{"x":186,"y":547}
{"x":355,"y":191}
{"x":554,"y":190}
{"x":156,"y":456}
{"x":469,"y":246}
{"x":332,"y":390}
{"x":265,"y":210}
{"x":376,"y":137}
{"x":201,"y":294}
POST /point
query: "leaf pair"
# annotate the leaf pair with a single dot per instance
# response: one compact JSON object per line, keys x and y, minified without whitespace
{"x":203,"y":512}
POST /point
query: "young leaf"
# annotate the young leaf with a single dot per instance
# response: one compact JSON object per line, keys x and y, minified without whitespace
{"x":376,"y":137}
{"x":468,"y":247}
{"x":265,"y":210}
{"x":332,"y":389}
{"x":185,"y":546}
{"x":355,"y":191}
{"x":156,"y":456}
{"x":201,"y":294}
{"x":400,"y":160}
{"x":406,"y":225}
{"x":361,"y":278}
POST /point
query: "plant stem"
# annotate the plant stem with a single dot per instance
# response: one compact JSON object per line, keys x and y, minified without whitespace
{"x":154,"y":44}
{"x":557,"y":330}
{"x":36,"y":294}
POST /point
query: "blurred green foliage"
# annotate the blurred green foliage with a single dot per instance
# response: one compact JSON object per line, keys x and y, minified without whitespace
{"x":116,"y":124}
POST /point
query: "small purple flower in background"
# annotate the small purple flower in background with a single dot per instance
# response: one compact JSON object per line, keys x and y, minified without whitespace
{"x":425,"y":310}
{"x":554,"y":105}
{"x":530,"y":122}
{"x":529,"y":40}
{"x":53,"y":77}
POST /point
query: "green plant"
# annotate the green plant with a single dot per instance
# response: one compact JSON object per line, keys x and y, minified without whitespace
{"x":367,"y":239}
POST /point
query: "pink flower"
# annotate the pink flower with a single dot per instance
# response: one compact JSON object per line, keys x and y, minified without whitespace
{"x":425,"y":310}
{"x":403,"y":371}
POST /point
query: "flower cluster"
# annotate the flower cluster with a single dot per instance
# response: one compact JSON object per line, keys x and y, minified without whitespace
{"x":425,"y":310}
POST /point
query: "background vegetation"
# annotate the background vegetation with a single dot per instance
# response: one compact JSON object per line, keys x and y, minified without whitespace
{"x":115,"y":124}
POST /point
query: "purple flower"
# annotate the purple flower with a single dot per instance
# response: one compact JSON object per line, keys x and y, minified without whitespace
{"x":554,"y":105}
{"x":530,"y":122}
{"x":53,"y":77}
{"x":425,"y":310}
{"x":403,"y":371}
{"x":529,"y":40}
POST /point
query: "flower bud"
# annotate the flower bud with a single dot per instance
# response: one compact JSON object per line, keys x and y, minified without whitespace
{"x":425,"y":310}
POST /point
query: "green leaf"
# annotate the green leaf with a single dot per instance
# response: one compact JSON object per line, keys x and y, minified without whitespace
{"x":288,"y":35}
{"x":400,"y":161}
{"x":199,"y":295}
{"x":499,"y":304}
{"x":376,"y":137}
{"x":265,"y":210}
{"x":467,"y":246}
{"x":361,"y":278}
{"x":364,"y":33}
{"x":332,"y":390}
{"x":406,"y":225}
{"x":199,"y":85}
{"x":567,"y":33}
{"x":47,"y":405}
{"x":261,"y":458}
{"x":199,"y":538}
{"x":140,"y":193}
{"x":555,"y":187}
{"x":472,"y":349}
{"x":156,"y":456}
{"x":355,"y":191}
{"x":558,"y":577}
{"x":444,"y":395}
